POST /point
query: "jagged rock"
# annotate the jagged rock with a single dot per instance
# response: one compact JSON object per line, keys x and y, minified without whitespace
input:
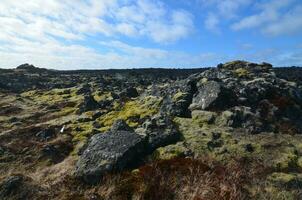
{"x":178,"y":98}
{"x":120,"y":125}
{"x":110,"y":151}
{"x":105,"y":104}
{"x":160,"y":131}
{"x":212,"y":95}
{"x":88,"y":104}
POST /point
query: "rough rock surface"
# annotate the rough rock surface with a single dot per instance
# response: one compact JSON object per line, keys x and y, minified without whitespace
{"x":88,"y":104}
{"x":160,"y":131}
{"x":212,"y":95}
{"x":248,"y":96}
{"x":110,"y":151}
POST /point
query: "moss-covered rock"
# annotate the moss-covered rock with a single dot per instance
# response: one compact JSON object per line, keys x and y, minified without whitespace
{"x":171,"y":151}
{"x":202,"y":117}
{"x":132,"y":112}
{"x":288,"y":180}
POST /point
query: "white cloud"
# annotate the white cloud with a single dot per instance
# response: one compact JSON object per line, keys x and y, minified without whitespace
{"x":211,"y":22}
{"x":58,"y":34}
{"x":221,"y":11}
{"x":179,"y":27}
{"x":73,"y":19}
{"x":275,"y":17}
{"x":290,"y":23}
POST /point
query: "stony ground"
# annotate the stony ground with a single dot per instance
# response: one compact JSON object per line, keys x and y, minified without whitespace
{"x":230,"y":132}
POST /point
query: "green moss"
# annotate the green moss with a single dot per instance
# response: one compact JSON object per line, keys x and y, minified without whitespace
{"x":178,"y":96}
{"x":100,"y":96}
{"x":299,"y":162}
{"x":202,"y":117}
{"x":288,"y":180}
{"x":286,"y":161}
{"x":242,"y":72}
{"x":81,"y":131}
{"x":170,"y":151}
{"x":131,"y":112}
{"x":52,"y":96}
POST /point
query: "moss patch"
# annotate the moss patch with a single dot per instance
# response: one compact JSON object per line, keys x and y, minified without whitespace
{"x":132,"y":112}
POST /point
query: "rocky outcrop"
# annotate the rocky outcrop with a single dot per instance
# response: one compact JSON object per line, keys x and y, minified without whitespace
{"x":248,"y":96}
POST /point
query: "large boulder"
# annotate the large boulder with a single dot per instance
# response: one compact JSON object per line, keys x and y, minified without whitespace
{"x":107,"y":152}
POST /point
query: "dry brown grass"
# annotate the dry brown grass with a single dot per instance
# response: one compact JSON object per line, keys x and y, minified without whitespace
{"x":179,"y":178}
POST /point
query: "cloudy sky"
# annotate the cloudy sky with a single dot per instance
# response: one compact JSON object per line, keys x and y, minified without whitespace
{"x":89,"y":34}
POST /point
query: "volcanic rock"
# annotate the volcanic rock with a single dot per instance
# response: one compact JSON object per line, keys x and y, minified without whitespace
{"x":88,"y":104}
{"x":110,"y":151}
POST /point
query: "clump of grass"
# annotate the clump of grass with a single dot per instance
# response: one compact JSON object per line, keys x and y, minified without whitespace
{"x":179,"y":178}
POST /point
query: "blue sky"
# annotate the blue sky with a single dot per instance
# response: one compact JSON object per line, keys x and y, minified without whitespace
{"x":97,"y":34}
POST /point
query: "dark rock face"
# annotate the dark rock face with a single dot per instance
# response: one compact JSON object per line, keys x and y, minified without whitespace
{"x":120,"y":125}
{"x":160,"y":131}
{"x":88,"y":104}
{"x":110,"y":151}
{"x":212,"y":95}
{"x":178,"y":98}
{"x":130,"y":92}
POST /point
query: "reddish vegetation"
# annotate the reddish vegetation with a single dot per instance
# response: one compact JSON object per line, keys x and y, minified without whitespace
{"x":180,"y":178}
{"x":281,"y":102}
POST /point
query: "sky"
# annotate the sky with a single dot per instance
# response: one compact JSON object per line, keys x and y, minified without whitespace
{"x":100,"y":34}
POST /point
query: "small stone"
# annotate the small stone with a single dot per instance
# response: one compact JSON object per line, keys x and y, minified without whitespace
{"x":249,"y":148}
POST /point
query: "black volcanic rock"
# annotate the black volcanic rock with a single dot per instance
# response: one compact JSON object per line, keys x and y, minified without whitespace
{"x":160,"y":131}
{"x":120,"y":125}
{"x":88,"y":104}
{"x":130,"y":92}
{"x":110,"y":151}
{"x":255,"y":97}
